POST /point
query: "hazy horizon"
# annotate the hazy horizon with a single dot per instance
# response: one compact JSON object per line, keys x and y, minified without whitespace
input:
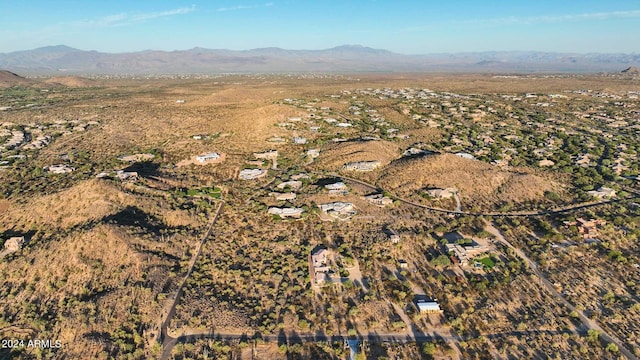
{"x":404,"y":27}
{"x":319,"y":49}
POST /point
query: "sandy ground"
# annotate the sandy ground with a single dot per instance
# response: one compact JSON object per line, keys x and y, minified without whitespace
{"x":4,"y":206}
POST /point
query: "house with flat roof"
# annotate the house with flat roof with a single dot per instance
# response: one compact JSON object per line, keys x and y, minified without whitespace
{"x":338,"y":209}
{"x":428,"y":307}
{"x":294,"y":185}
{"x":465,"y":253}
{"x":208,"y":156}
{"x":59,"y":169}
{"x":588,"y":229}
{"x":250,"y":174}
{"x":603,"y":193}
{"x":442,"y":193}
{"x":337,"y":188}
{"x":362,"y":165}
{"x":319,"y":266}
{"x":393,"y":235}
{"x":14,"y":244}
{"x":286,"y":212}
{"x":283,"y":196}
{"x":379,"y":199}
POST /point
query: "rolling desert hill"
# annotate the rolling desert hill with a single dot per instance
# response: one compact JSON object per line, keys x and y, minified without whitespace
{"x":105,"y":239}
{"x":334,"y":156}
{"x":477,"y":181}
{"x":71,"y":81}
{"x":8,"y":79}
{"x":345,"y":58}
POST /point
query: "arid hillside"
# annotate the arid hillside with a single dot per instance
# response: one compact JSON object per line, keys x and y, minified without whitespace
{"x":334,"y":156}
{"x":477,"y":182}
{"x":72,"y":81}
{"x":8,"y":79}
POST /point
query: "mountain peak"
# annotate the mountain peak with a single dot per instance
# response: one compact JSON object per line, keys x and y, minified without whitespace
{"x":56,"y":48}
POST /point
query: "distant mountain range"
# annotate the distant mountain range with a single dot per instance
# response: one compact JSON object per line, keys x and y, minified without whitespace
{"x":347,"y":58}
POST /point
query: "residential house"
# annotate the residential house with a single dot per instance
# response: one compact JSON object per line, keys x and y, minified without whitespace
{"x":320,"y":265}
{"x":465,"y":253}
{"x":284,"y":196}
{"x":338,"y":209}
{"x":207,"y":157}
{"x":59,"y":169}
{"x":126,"y":175}
{"x":465,"y":155}
{"x":286,"y":212}
{"x":294,"y":185}
{"x":394,"y":237}
{"x":14,"y":244}
{"x":588,"y":229}
{"x":442,"y":193}
{"x":428,"y":307}
{"x":250,"y":174}
{"x":362,"y":165}
{"x":603,"y":193}
{"x":379,"y":199}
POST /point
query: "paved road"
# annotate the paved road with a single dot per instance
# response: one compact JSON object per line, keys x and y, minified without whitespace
{"x":405,"y":337}
{"x":589,"y":323}
{"x":168,"y":342}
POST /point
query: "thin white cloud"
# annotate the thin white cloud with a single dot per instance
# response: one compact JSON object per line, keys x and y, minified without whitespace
{"x":124,"y":19}
{"x":243,"y":7}
{"x":527,"y":20}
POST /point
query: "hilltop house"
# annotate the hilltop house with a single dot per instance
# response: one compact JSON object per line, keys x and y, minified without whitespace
{"x":286,"y":212}
{"x":379,"y":199}
{"x":441,"y":193}
{"x":59,"y":169}
{"x":250,"y":174}
{"x":126,"y":175}
{"x":362,"y":165}
{"x":283,"y":196}
{"x":207,"y":157}
{"x":337,"y":188}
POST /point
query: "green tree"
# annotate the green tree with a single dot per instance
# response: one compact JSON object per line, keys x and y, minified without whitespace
{"x":442,"y":260}
{"x":429,"y":348}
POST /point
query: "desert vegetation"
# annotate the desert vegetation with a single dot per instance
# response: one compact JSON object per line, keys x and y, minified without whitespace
{"x":121,"y":264}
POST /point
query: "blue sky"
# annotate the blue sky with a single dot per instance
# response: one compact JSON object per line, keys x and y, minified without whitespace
{"x":408,"y":27}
